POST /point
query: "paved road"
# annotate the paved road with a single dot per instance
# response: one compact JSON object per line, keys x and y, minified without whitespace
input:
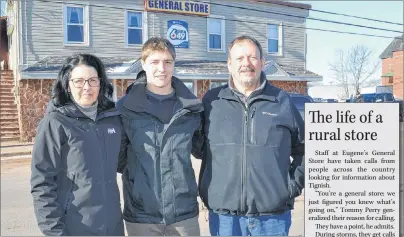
{"x":17,"y":214}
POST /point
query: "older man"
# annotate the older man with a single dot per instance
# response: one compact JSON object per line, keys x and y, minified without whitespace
{"x":250,"y":130}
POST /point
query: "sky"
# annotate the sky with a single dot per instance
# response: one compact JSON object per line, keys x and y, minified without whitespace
{"x":3,"y":7}
{"x":321,"y":46}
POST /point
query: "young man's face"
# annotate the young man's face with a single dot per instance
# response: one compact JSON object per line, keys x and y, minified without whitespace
{"x":159,"y":68}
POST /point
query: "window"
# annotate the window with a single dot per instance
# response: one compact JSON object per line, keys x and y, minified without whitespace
{"x":216,"y":34}
{"x":274,"y":37}
{"x":76,"y":25}
{"x":190,"y":85}
{"x":214,"y":84}
{"x":134,"y":28}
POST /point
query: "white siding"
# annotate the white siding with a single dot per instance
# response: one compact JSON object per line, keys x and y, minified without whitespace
{"x":43,"y":30}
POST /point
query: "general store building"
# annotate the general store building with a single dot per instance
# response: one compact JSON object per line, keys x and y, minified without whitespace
{"x":42,"y":33}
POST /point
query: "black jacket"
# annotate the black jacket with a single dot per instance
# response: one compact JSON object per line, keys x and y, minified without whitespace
{"x":73,"y":180}
{"x":246,"y":168}
{"x":159,"y":183}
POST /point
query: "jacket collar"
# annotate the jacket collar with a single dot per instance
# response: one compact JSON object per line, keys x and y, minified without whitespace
{"x":136,"y":100}
{"x":264,"y":92}
{"x":71,"y":110}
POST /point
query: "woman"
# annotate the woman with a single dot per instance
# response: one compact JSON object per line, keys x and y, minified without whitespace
{"x":75,"y":154}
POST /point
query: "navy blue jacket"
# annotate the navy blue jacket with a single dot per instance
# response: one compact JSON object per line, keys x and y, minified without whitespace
{"x":159,"y":183}
{"x":245,"y":150}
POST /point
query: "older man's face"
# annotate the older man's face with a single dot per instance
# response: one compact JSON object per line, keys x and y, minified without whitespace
{"x":245,"y":64}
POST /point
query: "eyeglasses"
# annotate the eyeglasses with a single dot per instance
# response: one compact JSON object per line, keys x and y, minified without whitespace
{"x":80,"y":82}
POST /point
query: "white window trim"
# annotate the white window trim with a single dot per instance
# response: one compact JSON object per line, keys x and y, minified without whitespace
{"x":222,"y":32}
{"x":220,"y":81}
{"x":114,"y":94}
{"x":86,"y":26}
{"x":195,"y":87}
{"x":280,"y":39}
{"x":144,"y":27}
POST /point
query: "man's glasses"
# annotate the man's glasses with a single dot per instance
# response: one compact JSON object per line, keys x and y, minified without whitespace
{"x":80,"y":82}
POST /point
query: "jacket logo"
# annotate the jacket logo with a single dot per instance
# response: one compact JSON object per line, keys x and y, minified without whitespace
{"x":111,"y":130}
{"x":268,"y":113}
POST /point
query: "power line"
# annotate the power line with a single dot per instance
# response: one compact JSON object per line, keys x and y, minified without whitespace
{"x":308,"y":18}
{"x":338,"y":14}
{"x":262,"y":11}
{"x":233,"y":20}
{"x":307,"y":28}
{"x":227,"y":19}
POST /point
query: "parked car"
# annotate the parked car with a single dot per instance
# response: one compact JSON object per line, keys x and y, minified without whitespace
{"x":375,"y":98}
{"x":300,"y":100}
{"x":401,"y":115}
{"x":331,"y":101}
{"x":382,"y":98}
{"x":318,"y":99}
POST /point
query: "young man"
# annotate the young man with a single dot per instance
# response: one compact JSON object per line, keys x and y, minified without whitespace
{"x":250,"y":129}
{"x":160,"y":116}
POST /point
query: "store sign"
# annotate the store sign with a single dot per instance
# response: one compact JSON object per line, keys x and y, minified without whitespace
{"x":177,"y":33}
{"x":185,"y":7}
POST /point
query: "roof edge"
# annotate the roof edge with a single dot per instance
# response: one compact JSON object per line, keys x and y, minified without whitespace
{"x":287,"y":4}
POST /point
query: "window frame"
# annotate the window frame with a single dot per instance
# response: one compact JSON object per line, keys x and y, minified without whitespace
{"x":222,"y":33}
{"x":221,"y":82}
{"x":194,"y":86}
{"x":280,"y":39}
{"x":86,"y":25}
{"x":143,"y":28}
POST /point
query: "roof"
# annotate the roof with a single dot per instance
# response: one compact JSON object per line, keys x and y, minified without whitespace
{"x":396,"y":45}
{"x":112,"y":64}
{"x":288,"y":4}
{"x":297,"y":71}
{"x":126,"y":68}
{"x":389,"y":74}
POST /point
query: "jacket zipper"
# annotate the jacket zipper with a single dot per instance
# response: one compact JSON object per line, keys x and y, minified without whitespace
{"x":252,"y":126}
{"x":175,"y":117}
{"x":102,"y":164}
{"x":70,"y":195}
{"x":244,"y":162}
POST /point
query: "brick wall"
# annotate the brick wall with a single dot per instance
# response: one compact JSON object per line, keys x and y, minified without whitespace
{"x":387,"y":66}
{"x":398,"y":74}
{"x":292,"y":86}
{"x":121,"y":85}
{"x":395,"y":66}
{"x":203,"y":87}
{"x":35,"y":95}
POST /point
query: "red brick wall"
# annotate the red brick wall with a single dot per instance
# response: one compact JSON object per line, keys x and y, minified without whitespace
{"x":398,"y":74}
{"x":34,"y":96}
{"x":291,"y":86}
{"x":394,"y":65}
{"x":121,"y":85}
{"x":203,"y":87}
{"x":387,"y":66}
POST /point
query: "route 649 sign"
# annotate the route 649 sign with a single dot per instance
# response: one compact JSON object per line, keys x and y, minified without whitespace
{"x":177,"y":33}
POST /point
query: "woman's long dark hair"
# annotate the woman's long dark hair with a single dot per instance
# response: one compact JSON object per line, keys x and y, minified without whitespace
{"x":60,"y":95}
